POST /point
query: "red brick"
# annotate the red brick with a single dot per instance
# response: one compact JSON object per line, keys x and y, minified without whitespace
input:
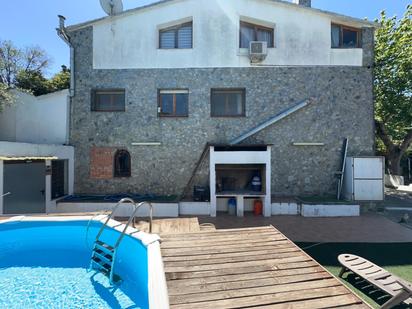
{"x":101,"y":162}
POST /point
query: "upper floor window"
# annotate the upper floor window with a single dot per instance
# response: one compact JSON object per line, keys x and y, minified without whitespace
{"x":180,"y":36}
{"x":122,"y":164}
{"x":228,"y":102}
{"x":250,"y":32}
{"x":345,"y":37}
{"x":173,"y":103}
{"x":108,"y":100}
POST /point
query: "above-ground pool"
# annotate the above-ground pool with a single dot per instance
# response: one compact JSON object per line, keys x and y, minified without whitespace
{"x":45,"y":264}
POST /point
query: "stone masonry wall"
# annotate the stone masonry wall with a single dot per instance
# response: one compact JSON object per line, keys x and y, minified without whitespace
{"x":343,"y":108}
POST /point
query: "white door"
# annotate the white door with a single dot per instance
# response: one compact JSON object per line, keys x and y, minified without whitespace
{"x":368,"y":189}
{"x":368,"y":168}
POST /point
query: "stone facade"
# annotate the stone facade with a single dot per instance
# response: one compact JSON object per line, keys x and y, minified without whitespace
{"x":343,"y":108}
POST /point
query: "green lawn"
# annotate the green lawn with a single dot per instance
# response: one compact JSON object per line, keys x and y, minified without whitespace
{"x":396,"y":258}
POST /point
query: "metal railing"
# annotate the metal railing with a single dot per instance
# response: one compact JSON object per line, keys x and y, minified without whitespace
{"x":131,"y":218}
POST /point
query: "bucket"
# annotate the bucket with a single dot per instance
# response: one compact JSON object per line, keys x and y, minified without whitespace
{"x":256,"y":184}
{"x":231,"y":203}
{"x":258,"y":207}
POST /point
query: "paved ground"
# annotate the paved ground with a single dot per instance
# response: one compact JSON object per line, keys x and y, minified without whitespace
{"x":371,"y":227}
{"x":398,"y":204}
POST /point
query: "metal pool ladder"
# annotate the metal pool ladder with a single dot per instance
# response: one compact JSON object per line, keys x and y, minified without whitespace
{"x":104,"y":254}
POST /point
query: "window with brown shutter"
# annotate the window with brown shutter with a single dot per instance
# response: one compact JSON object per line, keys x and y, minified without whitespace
{"x":108,"y":100}
{"x":173,"y":102}
{"x":228,"y":102}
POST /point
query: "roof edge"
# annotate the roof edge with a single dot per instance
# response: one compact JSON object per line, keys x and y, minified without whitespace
{"x":341,"y":17}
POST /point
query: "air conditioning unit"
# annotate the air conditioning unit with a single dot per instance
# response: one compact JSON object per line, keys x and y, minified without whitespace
{"x":258,"y":51}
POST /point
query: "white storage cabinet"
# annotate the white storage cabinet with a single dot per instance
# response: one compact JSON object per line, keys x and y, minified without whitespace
{"x":364,"y":179}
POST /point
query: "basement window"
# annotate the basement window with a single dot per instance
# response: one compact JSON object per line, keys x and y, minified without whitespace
{"x":176,"y":37}
{"x":108,"y":100}
{"x":345,"y":37}
{"x":251,"y":32}
{"x":122,"y":164}
{"x":228,"y":102}
{"x":173,"y":103}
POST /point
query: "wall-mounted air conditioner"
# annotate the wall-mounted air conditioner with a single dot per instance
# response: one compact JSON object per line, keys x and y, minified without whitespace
{"x":258,"y":51}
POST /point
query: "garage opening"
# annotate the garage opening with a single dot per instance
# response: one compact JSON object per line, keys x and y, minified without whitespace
{"x":25,"y":180}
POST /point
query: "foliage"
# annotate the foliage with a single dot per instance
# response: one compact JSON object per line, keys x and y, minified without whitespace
{"x":34,"y":81}
{"x":6,"y":97}
{"x":393,"y":86}
{"x":13,"y":60}
{"x":61,"y":80}
{"x":37,"y":84}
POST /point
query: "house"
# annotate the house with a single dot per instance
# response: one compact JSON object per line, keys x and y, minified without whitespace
{"x":219,"y":93}
{"x":36,"y":165}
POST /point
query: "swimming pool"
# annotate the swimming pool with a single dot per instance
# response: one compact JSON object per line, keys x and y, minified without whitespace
{"x":45,"y":264}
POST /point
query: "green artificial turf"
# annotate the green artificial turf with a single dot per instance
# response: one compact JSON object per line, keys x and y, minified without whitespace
{"x":394,"y":257}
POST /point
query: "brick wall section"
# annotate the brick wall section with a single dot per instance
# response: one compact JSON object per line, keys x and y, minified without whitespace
{"x":101,"y":162}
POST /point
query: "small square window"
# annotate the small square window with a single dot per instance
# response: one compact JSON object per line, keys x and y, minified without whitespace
{"x":228,"y":102}
{"x":174,"y":103}
{"x":176,"y":37}
{"x":345,"y":37}
{"x":108,"y":100}
{"x":250,"y":32}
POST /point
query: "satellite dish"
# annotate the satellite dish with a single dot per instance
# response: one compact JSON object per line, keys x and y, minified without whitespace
{"x":112,"y":7}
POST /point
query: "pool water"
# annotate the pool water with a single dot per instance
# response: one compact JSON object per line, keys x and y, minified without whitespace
{"x":46,"y":265}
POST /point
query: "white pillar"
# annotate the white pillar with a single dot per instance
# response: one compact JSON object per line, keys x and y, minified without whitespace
{"x":70,"y":176}
{"x":267,"y":205}
{"x":240,"y":205}
{"x":1,"y":186}
{"x":212,"y":181}
{"x":48,"y":186}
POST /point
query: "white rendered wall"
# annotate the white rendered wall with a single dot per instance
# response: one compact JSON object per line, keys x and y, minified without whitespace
{"x":240,"y":157}
{"x":302,"y":36}
{"x":35,"y":150}
{"x":40,"y":120}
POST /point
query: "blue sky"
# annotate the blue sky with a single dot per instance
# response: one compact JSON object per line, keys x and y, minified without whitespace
{"x":33,"y":22}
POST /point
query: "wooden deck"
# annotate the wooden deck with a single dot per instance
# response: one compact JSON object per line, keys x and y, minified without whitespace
{"x":247,"y":268}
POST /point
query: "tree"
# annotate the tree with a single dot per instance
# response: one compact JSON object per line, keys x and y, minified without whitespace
{"x":14,"y":60}
{"x":393,"y":87}
{"x":34,"y":81}
{"x":61,"y":80}
{"x":6,"y":97}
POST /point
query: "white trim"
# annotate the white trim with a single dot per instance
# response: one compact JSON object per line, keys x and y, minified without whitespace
{"x":174,"y":91}
{"x":158,"y":294}
{"x":240,"y":157}
{"x":1,"y":185}
{"x":147,"y":144}
{"x":308,"y":144}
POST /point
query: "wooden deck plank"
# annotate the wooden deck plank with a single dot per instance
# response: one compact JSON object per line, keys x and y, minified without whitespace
{"x":257,"y":300}
{"x":221,"y":242}
{"x":232,"y":254}
{"x":210,"y":250}
{"x":236,"y":259}
{"x":272,"y":262}
{"x":244,"y":276}
{"x":346,"y":300}
{"x":245,"y":268}
{"x":237,"y":270}
{"x":243,"y":284}
{"x":252,"y":291}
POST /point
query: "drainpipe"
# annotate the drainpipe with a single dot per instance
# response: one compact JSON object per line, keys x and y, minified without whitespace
{"x":61,"y":32}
